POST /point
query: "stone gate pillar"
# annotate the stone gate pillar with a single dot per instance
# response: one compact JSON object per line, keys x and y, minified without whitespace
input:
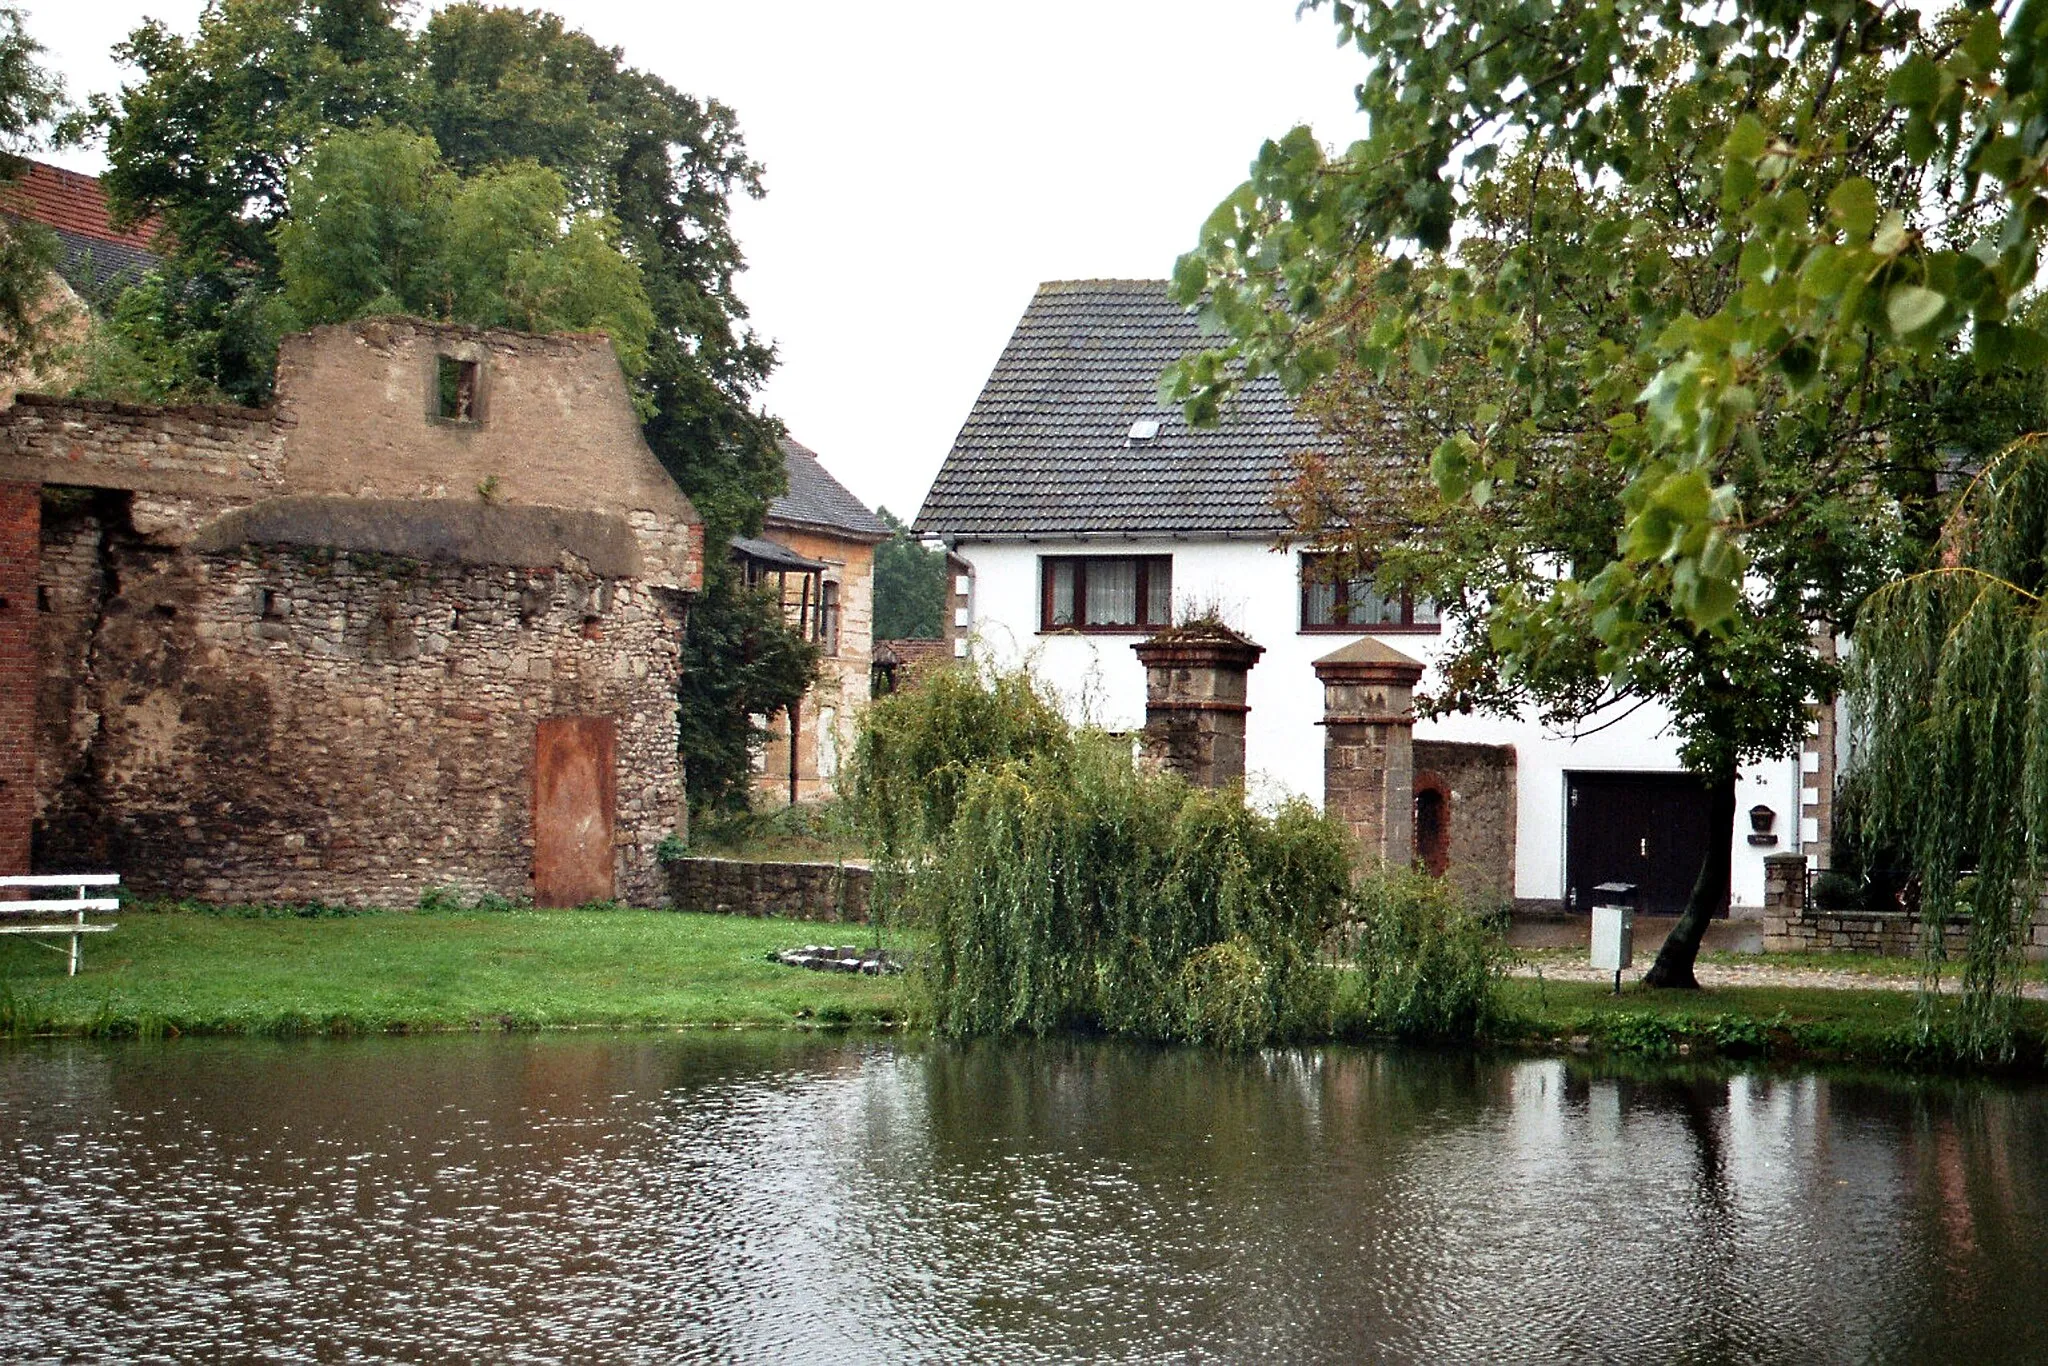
{"x":1369,"y":747}
{"x":1195,"y":708}
{"x":21,"y":553}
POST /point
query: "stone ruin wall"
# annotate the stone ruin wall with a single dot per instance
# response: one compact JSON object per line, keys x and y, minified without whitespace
{"x":292,"y":725}
{"x":20,"y":518}
{"x":1479,"y":782}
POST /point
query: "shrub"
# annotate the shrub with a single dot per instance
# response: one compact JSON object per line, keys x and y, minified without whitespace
{"x":918,"y":747}
{"x":1071,"y":891}
{"x":1428,"y":967}
{"x":1834,"y":891}
{"x":1223,"y":998}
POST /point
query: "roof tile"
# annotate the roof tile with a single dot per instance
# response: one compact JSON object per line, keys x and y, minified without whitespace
{"x":816,"y":499}
{"x":1046,"y":451}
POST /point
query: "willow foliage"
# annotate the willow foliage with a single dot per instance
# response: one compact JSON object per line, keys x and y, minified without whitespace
{"x":917,"y":748}
{"x":1428,"y":968}
{"x":1950,"y":681}
{"x":1073,"y":891}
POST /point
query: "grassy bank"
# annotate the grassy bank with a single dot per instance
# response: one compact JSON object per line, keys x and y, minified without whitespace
{"x":240,"y":972}
{"x":1812,"y":1024}
{"x":222,"y":972}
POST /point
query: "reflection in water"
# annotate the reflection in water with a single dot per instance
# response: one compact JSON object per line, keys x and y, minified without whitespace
{"x":772,"y":1198}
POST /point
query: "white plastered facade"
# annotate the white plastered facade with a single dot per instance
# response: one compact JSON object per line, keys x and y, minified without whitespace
{"x":1255,"y":588}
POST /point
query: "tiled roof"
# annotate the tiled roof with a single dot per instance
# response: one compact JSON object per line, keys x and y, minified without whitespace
{"x":74,"y":206}
{"x":816,"y":499}
{"x":1048,"y":450}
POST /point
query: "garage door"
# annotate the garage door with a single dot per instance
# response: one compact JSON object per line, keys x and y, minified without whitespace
{"x":1652,"y":829}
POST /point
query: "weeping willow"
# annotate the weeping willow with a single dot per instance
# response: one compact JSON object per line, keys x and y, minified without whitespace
{"x":1949,"y":681}
{"x":1072,"y":891}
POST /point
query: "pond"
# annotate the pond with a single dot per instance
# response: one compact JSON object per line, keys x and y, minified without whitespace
{"x":787,"y":1198}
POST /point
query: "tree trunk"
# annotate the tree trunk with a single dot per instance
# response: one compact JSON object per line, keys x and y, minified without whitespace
{"x":1673,"y":967}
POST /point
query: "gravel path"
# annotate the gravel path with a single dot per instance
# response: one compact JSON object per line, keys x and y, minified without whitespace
{"x":1726,"y":974}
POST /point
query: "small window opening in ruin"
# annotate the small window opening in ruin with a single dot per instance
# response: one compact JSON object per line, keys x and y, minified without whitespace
{"x":273,"y":605}
{"x":593,"y":628}
{"x":457,"y":386}
{"x":43,"y":600}
{"x":166,"y":609}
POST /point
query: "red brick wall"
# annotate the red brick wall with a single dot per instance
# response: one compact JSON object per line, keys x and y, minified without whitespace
{"x":20,"y":554}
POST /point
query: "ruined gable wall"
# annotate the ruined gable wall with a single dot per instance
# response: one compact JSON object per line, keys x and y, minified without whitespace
{"x":1479,"y":781}
{"x":555,"y":428}
{"x":363,"y":732}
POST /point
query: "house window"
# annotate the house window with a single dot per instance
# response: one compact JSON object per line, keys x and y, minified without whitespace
{"x":455,"y":397}
{"x":1105,"y":592}
{"x":1329,"y":603}
{"x":828,"y":617}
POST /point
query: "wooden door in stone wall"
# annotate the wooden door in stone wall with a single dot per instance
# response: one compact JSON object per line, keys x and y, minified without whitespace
{"x":575,"y":799}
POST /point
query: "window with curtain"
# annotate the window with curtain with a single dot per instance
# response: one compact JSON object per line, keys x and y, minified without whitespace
{"x":1333,"y":603}
{"x":1105,"y":592}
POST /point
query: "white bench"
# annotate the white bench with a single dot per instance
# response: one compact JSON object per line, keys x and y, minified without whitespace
{"x":74,"y":906}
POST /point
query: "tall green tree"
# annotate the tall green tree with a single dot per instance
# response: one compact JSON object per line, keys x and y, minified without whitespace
{"x":1838,"y":268}
{"x":379,"y":224}
{"x":29,"y":97}
{"x":1650,"y":286}
{"x":910,"y":585}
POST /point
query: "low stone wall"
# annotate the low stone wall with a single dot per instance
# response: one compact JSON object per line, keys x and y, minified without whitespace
{"x":799,"y":891}
{"x":1894,"y":935}
{"x":1791,"y":926}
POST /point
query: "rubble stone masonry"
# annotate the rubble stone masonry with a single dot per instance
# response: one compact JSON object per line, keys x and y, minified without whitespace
{"x":1478,"y":785}
{"x":799,"y":891}
{"x":301,"y":724}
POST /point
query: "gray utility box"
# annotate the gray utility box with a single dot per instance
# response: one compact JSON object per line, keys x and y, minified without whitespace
{"x":1614,"y":926}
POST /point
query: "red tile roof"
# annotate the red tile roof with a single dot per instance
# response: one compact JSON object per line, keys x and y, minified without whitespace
{"x":72,"y":203}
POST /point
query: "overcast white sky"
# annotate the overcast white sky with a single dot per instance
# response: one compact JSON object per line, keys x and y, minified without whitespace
{"x":928,"y":163}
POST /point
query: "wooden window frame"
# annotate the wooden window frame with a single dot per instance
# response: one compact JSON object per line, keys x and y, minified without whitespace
{"x":1407,"y":626}
{"x":1147,"y":566}
{"x":828,"y":617}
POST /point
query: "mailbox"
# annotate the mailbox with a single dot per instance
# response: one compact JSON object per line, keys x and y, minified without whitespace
{"x":1614,"y":928}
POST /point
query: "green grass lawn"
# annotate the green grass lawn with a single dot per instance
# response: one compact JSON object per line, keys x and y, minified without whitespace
{"x":166,"y":971}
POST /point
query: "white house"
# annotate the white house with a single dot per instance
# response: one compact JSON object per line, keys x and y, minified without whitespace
{"x":1091,"y":513}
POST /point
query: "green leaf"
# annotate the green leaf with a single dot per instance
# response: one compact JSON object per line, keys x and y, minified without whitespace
{"x":1892,"y":236}
{"x":1853,"y":203}
{"x":1984,"y":41}
{"x":1745,"y":140}
{"x":1916,"y":84}
{"x":1910,"y":308}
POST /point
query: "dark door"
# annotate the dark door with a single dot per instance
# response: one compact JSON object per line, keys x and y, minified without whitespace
{"x":575,"y":792}
{"x":1651,"y":829}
